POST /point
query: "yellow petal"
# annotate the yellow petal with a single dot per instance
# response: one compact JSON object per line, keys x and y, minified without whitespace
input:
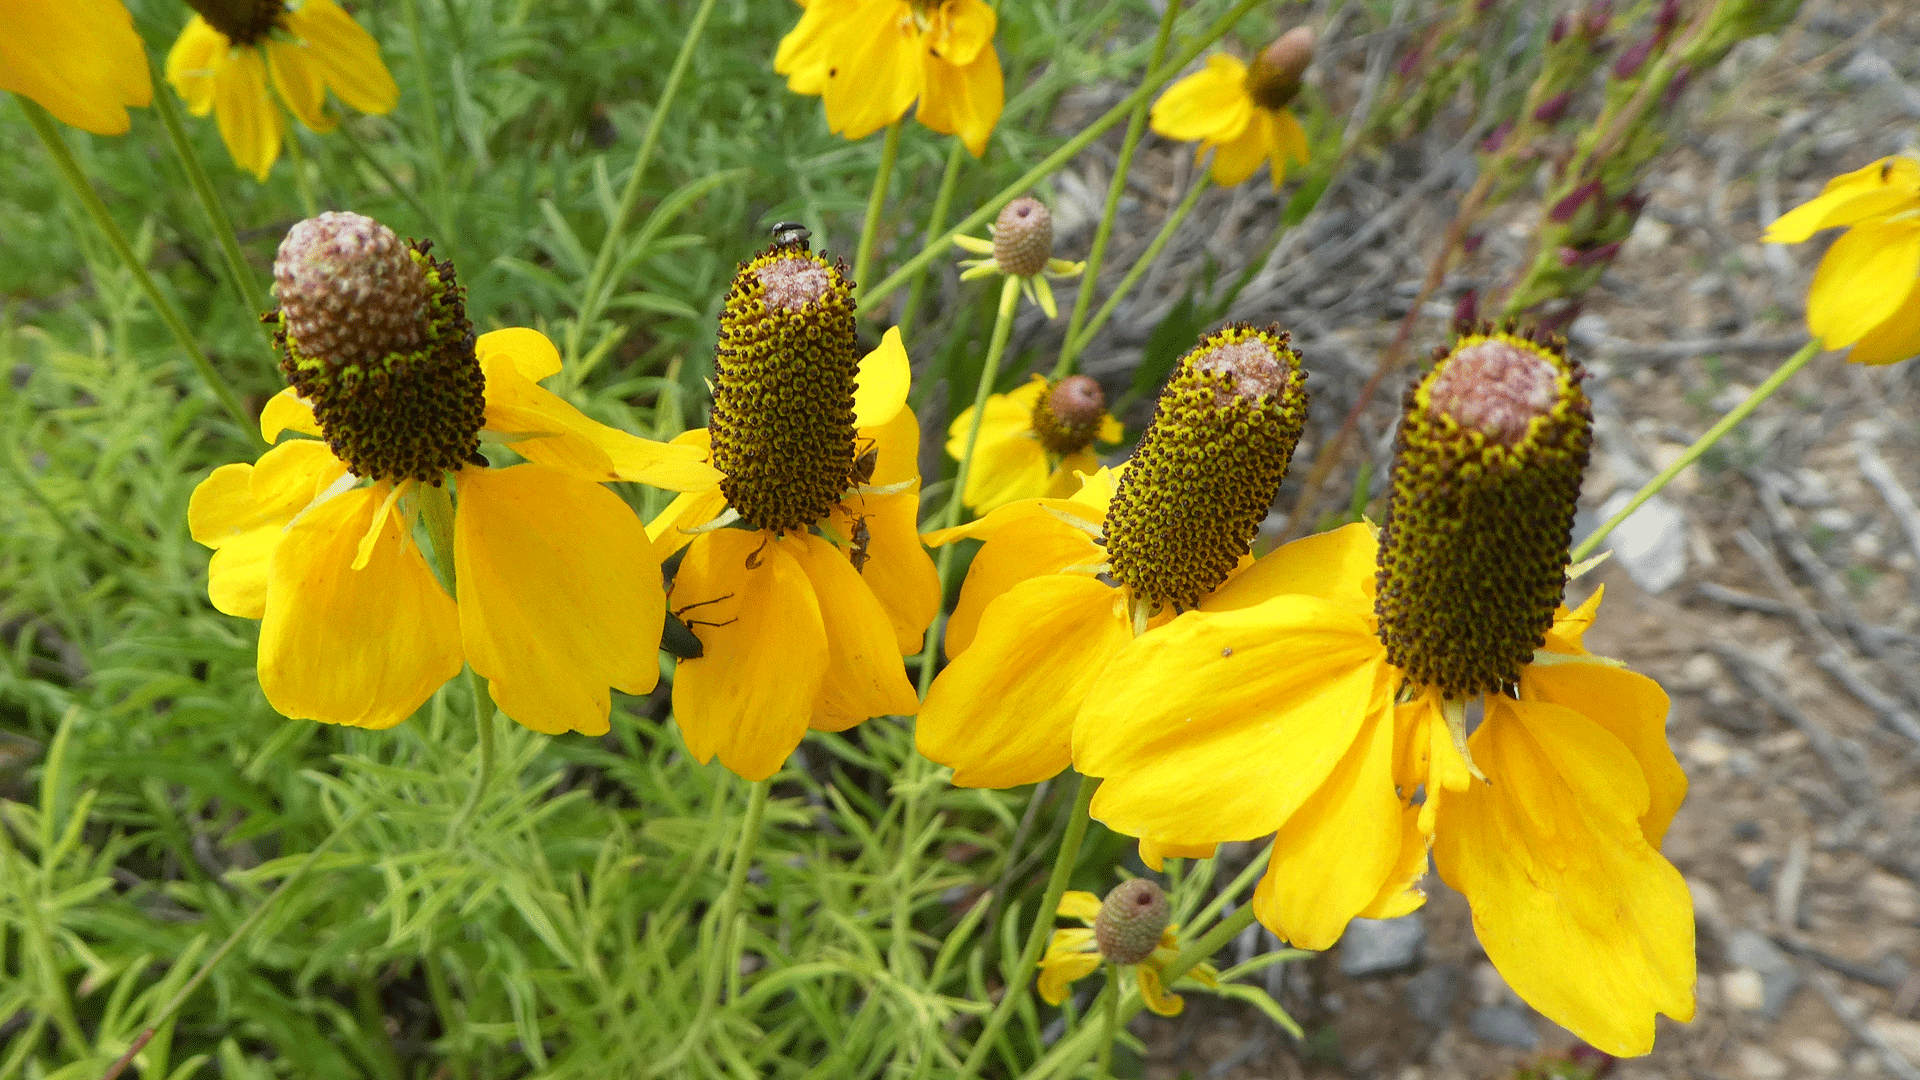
{"x":1237,"y":158}
{"x":1001,"y":714}
{"x":880,"y":387}
{"x":864,"y":675}
{"x":249,"y":120}
{"x":1586,"y":921}
{"x":1024,"y":541}
{"x":1630,"y":707}
{"x":1333,"y":856}
{"x":532,"y":352}
{"x":806,"y":53}
{"x":1153,"y":995}
{"x":285,"y":411}
{"x":1289,"y":144}
{"x":876,"y":72}
{"x":1006,"y":416}
{"x":1221,"y":726}
{"x":346,"y":56}
{"x":1400,"y":893}
{"x":1078,"y":904}
{"x":196,"y":53}
{"x":241,"y":511}
{"x":896,"y":448}
{"x":1155,"y":854}
{"x":961,"y":30}
{"x":1073,"y":471}
{"x":1876,"y":190}
{"x":359,"y":647}
{"x":1570,"y":627}
{"x":79,"y":59}
{"x":748,"y":697}
{"x":1004,"y":470}
{"x":1057,"y":972}
{"x":299,"y":84}
{"x":1863,"y":280}
{"x":1211,"y":104}
{"x":964,"y":99}
{"x":560,"y":597}
{"x":566,"y":438}
{"x":1335,"y":566}
{"x":1895,"y":339}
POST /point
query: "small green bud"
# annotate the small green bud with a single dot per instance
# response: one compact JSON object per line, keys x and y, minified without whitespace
{"x":1131,"y":920}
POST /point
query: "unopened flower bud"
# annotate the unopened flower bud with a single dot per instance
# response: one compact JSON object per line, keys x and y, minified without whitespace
{"x":1568,"y":205}
{"x":1554,"y":108}
{"x":1068,"y":416}
{"x":1022,"y":237}
{"x":1633,"y":59}
{"x":1595,"y":21}
{"x":1559,"y":31}
{"x":1496,"y":138}
{"x":1274,"y":78}
{"x":1131,"y":920}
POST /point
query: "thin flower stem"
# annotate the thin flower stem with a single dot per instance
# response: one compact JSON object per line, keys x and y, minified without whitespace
{"x":1138,"y":270}
{"x":937,"y":220}
{"x":876,"y":201}
{"x":1700,"y":446}
{"x":593,"y":295}
{"x":950,"y":515}
{"x":1109,"y":1019}
{"x":297,"y":160}
{"x":430,"y":119}
{"x":1149,"y":86}
{"x":483,"y":725}
{"x":217,"y":220}
{"x":1229,"y":894}
{"x":253,"y":918}
{"x":1071,"y":344}
{"x":56,"y":147}
{"x":726,"y":942}
{"x":1043,"y":919}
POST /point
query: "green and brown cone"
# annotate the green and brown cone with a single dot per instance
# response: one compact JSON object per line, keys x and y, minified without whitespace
{"x":784,"y":372}
{"x":1208,"y":467}
{"x":1131,"y":920}
{"x":374,"y":334}
{"x":1473,"y":551}
{"x":1068,"y":415}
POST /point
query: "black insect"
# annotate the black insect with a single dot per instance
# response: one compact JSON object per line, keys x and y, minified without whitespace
{"x":863,"y":463}
{"x":791,"y":234}
{"x":678,"y":637}
{"x":857,"y":553}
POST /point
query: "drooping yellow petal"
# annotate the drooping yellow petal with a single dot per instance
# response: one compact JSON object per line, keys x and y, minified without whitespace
{"x":241,"y":511}
{"x":1570,"y":627}
{"x":751,"y":693}
{"x":1073,"y":470}
{"x":880,"y":387}
{"x":1862,"y":280}
{"x":1237,"y":158}
{"x":1875,"y":190}
{"x":1584,"y":919}
{"x":1155,"y":854}
{"x":690,"y":509}
{"x":249,"y":121}
{"x":1336,"y":566}
{"x":533,"y":354}
{"x":1078,"y":904}
{"x":877,"y":71}
{"x":1209,"y":105}
{"x":565,"y":438}
{"x":1058,"y":971}
{"x":299,"y":83}
{"x":960,"y":30}
{"x":559,"y":595}
{"x":1400,"y":893}
{"x":285,"y":411}
{"x":196,"y":53}
{"x":1026,"y":542}
{"x":1333,"y":856}
{"x":1006,"y":469}
{"x":1220,"y":726}
{"x":864,"y":675}
{"x":805,"y":54}
{"x":1630,"y":707}
{"x":1001,"y":714}
{"x":1006,"y":416}
{"x":1895,"y":339}
{"x":79,"y":59}
{"x":346,"y":55}
{"x":897,"y":570}
{"x":1289,"y":144}
{"x":360,"y":647}
{"x":1153,"y":995}
{"x":964,"y":99}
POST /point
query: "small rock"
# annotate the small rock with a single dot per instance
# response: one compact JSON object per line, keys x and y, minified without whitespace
{"x":1779,"y":979}
{"x":1901,"y":1036}
{"x":1651,"y":544}
{"x":1430,"y":994}
{"x":1381,"y":946}
{"x":1698,"y":672}
{"x":1588,"y":330}
{"x":1756,"y":1064}
{"x":1834,"y":519}
{"x":1893,"y":896}
{"x":1743,"y":989}
{"x":1504,"y":1025}
{"x":1708,"y":750}
{"x":1814,"y":1056}
{"x":1747,"y":830}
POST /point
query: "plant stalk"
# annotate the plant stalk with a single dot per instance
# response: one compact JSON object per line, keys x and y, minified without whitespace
{"x":876,"y":202}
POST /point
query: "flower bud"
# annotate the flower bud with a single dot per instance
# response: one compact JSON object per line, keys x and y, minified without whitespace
{"x":1022,"y":237}
{"x":1068,"y":416}
{"x":1131,"y":920}
{"x":1633,"y":59}
{"x":1552,"y":110}
{"x":1274,"y":78}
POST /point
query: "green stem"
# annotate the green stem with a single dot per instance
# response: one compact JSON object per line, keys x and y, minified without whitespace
{"x":1109,"y":1017}
{"x":1134,"y":274}
{"x":726,"y":953}
{"x":56,"y":147}
{"x":430,"y":119}
{"x":1043,"y":921}
{"x":876,"y":201}
{"x":297,"y":159}
{"x":942,"y":205}
{"x":950,"y":515}
{"x":246,"y":925}
{"x":1136,"y":124}
{"x":1052,"y":162}
{"x":217,"y":220}
{"x":483,"y":725}
{"x":593,"y":296}
{"x":1700,"y":446}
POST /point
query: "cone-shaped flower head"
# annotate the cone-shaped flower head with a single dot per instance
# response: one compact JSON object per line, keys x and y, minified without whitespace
{"x":783,"y":389}
{"x":374,"y":334}
{"x":1274,"y":78}
{"x":1473,"y":552}
{"x":1022,"y":237}
{"x":1208,"y":466}
{"x":1131,"y":920}
{"x":1069,"y":415}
